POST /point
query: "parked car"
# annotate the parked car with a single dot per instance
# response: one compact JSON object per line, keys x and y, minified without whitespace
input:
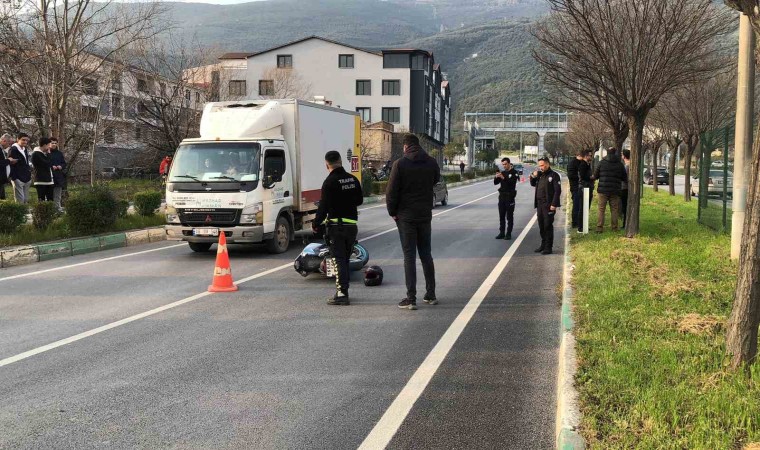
{"x":109,"y":172}
{"x":441,"y":193}
{"x":714,"y":184}
{"x":519,"y":169}
{"x":662,"y":176}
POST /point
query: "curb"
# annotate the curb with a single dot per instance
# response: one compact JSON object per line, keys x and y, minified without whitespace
{"x":568,"y":414}
{"x":30,"y":254}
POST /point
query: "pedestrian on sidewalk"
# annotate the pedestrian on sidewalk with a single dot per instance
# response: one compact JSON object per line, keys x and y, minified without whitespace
{"x":624,"y":185}
{"x":21,"y":169}
{"x":409,"y":198}
{"x":341,"y":194}
{"x":5,"y":162}
{"x":585,"y":181}
{"x":43,"y":171}
{"x":461,"y":168}
{"x":574,"y":180}
{"x":507,"y":182}
{"x":611,"y":175}
{"x":548,"y":191}
{"x":59,"y":174}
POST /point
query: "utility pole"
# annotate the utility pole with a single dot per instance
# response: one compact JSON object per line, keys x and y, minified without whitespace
{"x":745,"y":98}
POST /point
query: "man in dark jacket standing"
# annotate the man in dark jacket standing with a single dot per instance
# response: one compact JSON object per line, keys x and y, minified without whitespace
{"x":43,"y":171}
{"x":507,"y":182}
{"x":341,"y":194}
{"x":21,"y":170}
{"x":574,"y":180}
{"x":59,"y":175}
{"x":584,"y":181}
{"x":409,"y":198}
{"x":548,"y":191}
{"x":5,"y":162}
{"x":611,"y":175}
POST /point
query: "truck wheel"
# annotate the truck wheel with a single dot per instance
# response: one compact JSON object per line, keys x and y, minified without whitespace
{"x":200,"y":247}
{"x":281,"y":237}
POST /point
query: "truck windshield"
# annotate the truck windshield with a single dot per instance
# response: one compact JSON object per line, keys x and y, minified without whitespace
{"x":217,"y":162}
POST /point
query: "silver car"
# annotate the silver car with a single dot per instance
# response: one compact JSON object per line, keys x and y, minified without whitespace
{"x":715,"y":184}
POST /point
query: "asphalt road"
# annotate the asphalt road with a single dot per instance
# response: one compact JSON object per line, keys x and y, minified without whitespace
{"x":273,"y":366}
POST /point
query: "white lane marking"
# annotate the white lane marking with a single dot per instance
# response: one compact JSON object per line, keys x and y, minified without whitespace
{"x":69,"y":340}
{"x":37,"y":272}
{"x":450,"y":190}
{"x":386,"y":428}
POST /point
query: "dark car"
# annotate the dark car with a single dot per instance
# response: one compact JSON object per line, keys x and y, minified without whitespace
{"x":662,"y":176}
{"x":519,"y":169}
{"x":440,"y":193}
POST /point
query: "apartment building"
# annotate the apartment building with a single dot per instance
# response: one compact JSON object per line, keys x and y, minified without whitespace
{"x":404,"y":87}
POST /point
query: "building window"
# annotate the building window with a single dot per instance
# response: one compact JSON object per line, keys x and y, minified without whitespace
{"x":109,"y":135}
{"x":418,"y":62}
{"x":116,"y":81}
{"x":89,"y":114}
{"x":237,"y":87}
{"x":90,"y":86}
{"x":346,"y":61}
{"x":197,"y":97}
{"x":392,"y":115}
{"x":187,"y":97}
{"x":365,"y":114}
{"x":266,"y":87}
{"x":396,"y":61}
{"x":391,"y":87}
{"x":363,"y":87}
{"x":142,"y":110}
{"x":284,"y":61}
{"x":142,"y":85}
{"x":116,"y":106}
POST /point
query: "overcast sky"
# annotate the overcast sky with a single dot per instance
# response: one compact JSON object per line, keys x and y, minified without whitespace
{"x":217,"y":2}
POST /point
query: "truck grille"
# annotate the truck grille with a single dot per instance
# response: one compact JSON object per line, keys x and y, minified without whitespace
{"x":214,"y":217}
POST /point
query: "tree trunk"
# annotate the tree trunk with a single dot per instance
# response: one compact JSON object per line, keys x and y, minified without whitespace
{"x":636,"y":126}
{"x":655,"y":154}
{"x":690,"y":146}
{"x":672,"y":171}
{"x":620,"y":138}
{"x":741,"y":336}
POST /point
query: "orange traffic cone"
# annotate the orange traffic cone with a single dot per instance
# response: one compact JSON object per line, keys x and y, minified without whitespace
{"x":222,"y":272}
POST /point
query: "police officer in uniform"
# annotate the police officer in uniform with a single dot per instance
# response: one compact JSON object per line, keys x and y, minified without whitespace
{"x":548,"y":190}
{"x":341,"y":194}
{"x":507,"y":181}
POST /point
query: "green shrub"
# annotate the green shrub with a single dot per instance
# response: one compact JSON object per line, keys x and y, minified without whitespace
{"x":469,"y":175}
{"x":146,"y":202}
{"x":12,"y":216}
{"x":92,"y":210}
{"x":452,"y":178}
{"x":122,"y":208}
{"x":379,"y":187}
{"x":43,"y":214}
{"x":367,"y":183}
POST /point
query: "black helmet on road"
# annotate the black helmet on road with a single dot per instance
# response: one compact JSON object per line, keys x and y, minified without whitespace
{"x":373,"y":276}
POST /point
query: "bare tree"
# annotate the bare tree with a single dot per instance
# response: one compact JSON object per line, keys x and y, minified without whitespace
{"x":742,"y":332}
{"x":621,"y":53}
{"x":663,"y":120}
{"x":654,"y":137}
{"x":285,"y":83}
{"x":587,"y":132}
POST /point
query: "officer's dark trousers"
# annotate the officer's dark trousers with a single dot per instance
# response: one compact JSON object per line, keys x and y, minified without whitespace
{"x":546,"y":225}
{"x":506,"y":211}
{"x":341,"y":239}
{"x":577,"y":196}
{"x":416,"y":237}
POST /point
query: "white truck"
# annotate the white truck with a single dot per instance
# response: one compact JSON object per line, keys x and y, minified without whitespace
{"x":256,"y":172}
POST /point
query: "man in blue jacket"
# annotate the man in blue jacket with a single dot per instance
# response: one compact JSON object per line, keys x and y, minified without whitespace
{"x":21,"y":170}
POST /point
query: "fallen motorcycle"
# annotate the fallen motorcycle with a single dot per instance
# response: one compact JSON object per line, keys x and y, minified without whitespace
{"x":317,"y":258}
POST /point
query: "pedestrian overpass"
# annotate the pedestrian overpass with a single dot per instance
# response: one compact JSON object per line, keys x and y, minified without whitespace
{"x":482,"y":127}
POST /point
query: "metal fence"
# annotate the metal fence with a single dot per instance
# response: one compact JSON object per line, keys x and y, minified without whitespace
{"x":713,"y":181}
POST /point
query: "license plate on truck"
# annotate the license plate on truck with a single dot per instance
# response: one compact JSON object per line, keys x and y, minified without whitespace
{"x":214,"y":232}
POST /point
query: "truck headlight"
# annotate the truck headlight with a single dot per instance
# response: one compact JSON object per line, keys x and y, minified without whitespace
{"x":253,"y":214}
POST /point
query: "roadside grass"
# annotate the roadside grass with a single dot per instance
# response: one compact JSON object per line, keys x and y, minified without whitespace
{"x":27,"y":234}
{"x":650,"y":323}
{"x":122,"y":188}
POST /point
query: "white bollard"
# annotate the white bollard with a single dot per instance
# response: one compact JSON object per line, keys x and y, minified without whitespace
{"x":586,"y":197}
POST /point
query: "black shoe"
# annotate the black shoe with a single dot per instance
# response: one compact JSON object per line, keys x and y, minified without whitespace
{"x":500,"y":236}
{"x":508,"y":236}
{"x":340,"y":299}
{"x":430,"y":300}
{"x":546,"y":251}
{"x":408,"y":304}
{"x":539,"y":249}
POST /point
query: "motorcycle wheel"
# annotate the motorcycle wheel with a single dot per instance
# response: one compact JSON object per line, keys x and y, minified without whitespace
{"x":359,"y":258}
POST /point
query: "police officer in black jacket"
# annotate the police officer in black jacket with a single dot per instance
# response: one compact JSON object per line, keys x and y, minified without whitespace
{"x":507,"y":181}
{"x":548,"y":190}
{"x":341,"y":194}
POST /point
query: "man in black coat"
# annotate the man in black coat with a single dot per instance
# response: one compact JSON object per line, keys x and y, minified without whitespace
{"x":584,"y":181}
{"x":574,"y":180}
{"x":409,"y":198}
{"x":21,"y":170}
{"x":59,"y":171}
{"x":548,"y":191}
{"x":611,"y":175}
{"x":507,"y":182}
{"x":43,"y":171}
{"x":5,"y":162}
